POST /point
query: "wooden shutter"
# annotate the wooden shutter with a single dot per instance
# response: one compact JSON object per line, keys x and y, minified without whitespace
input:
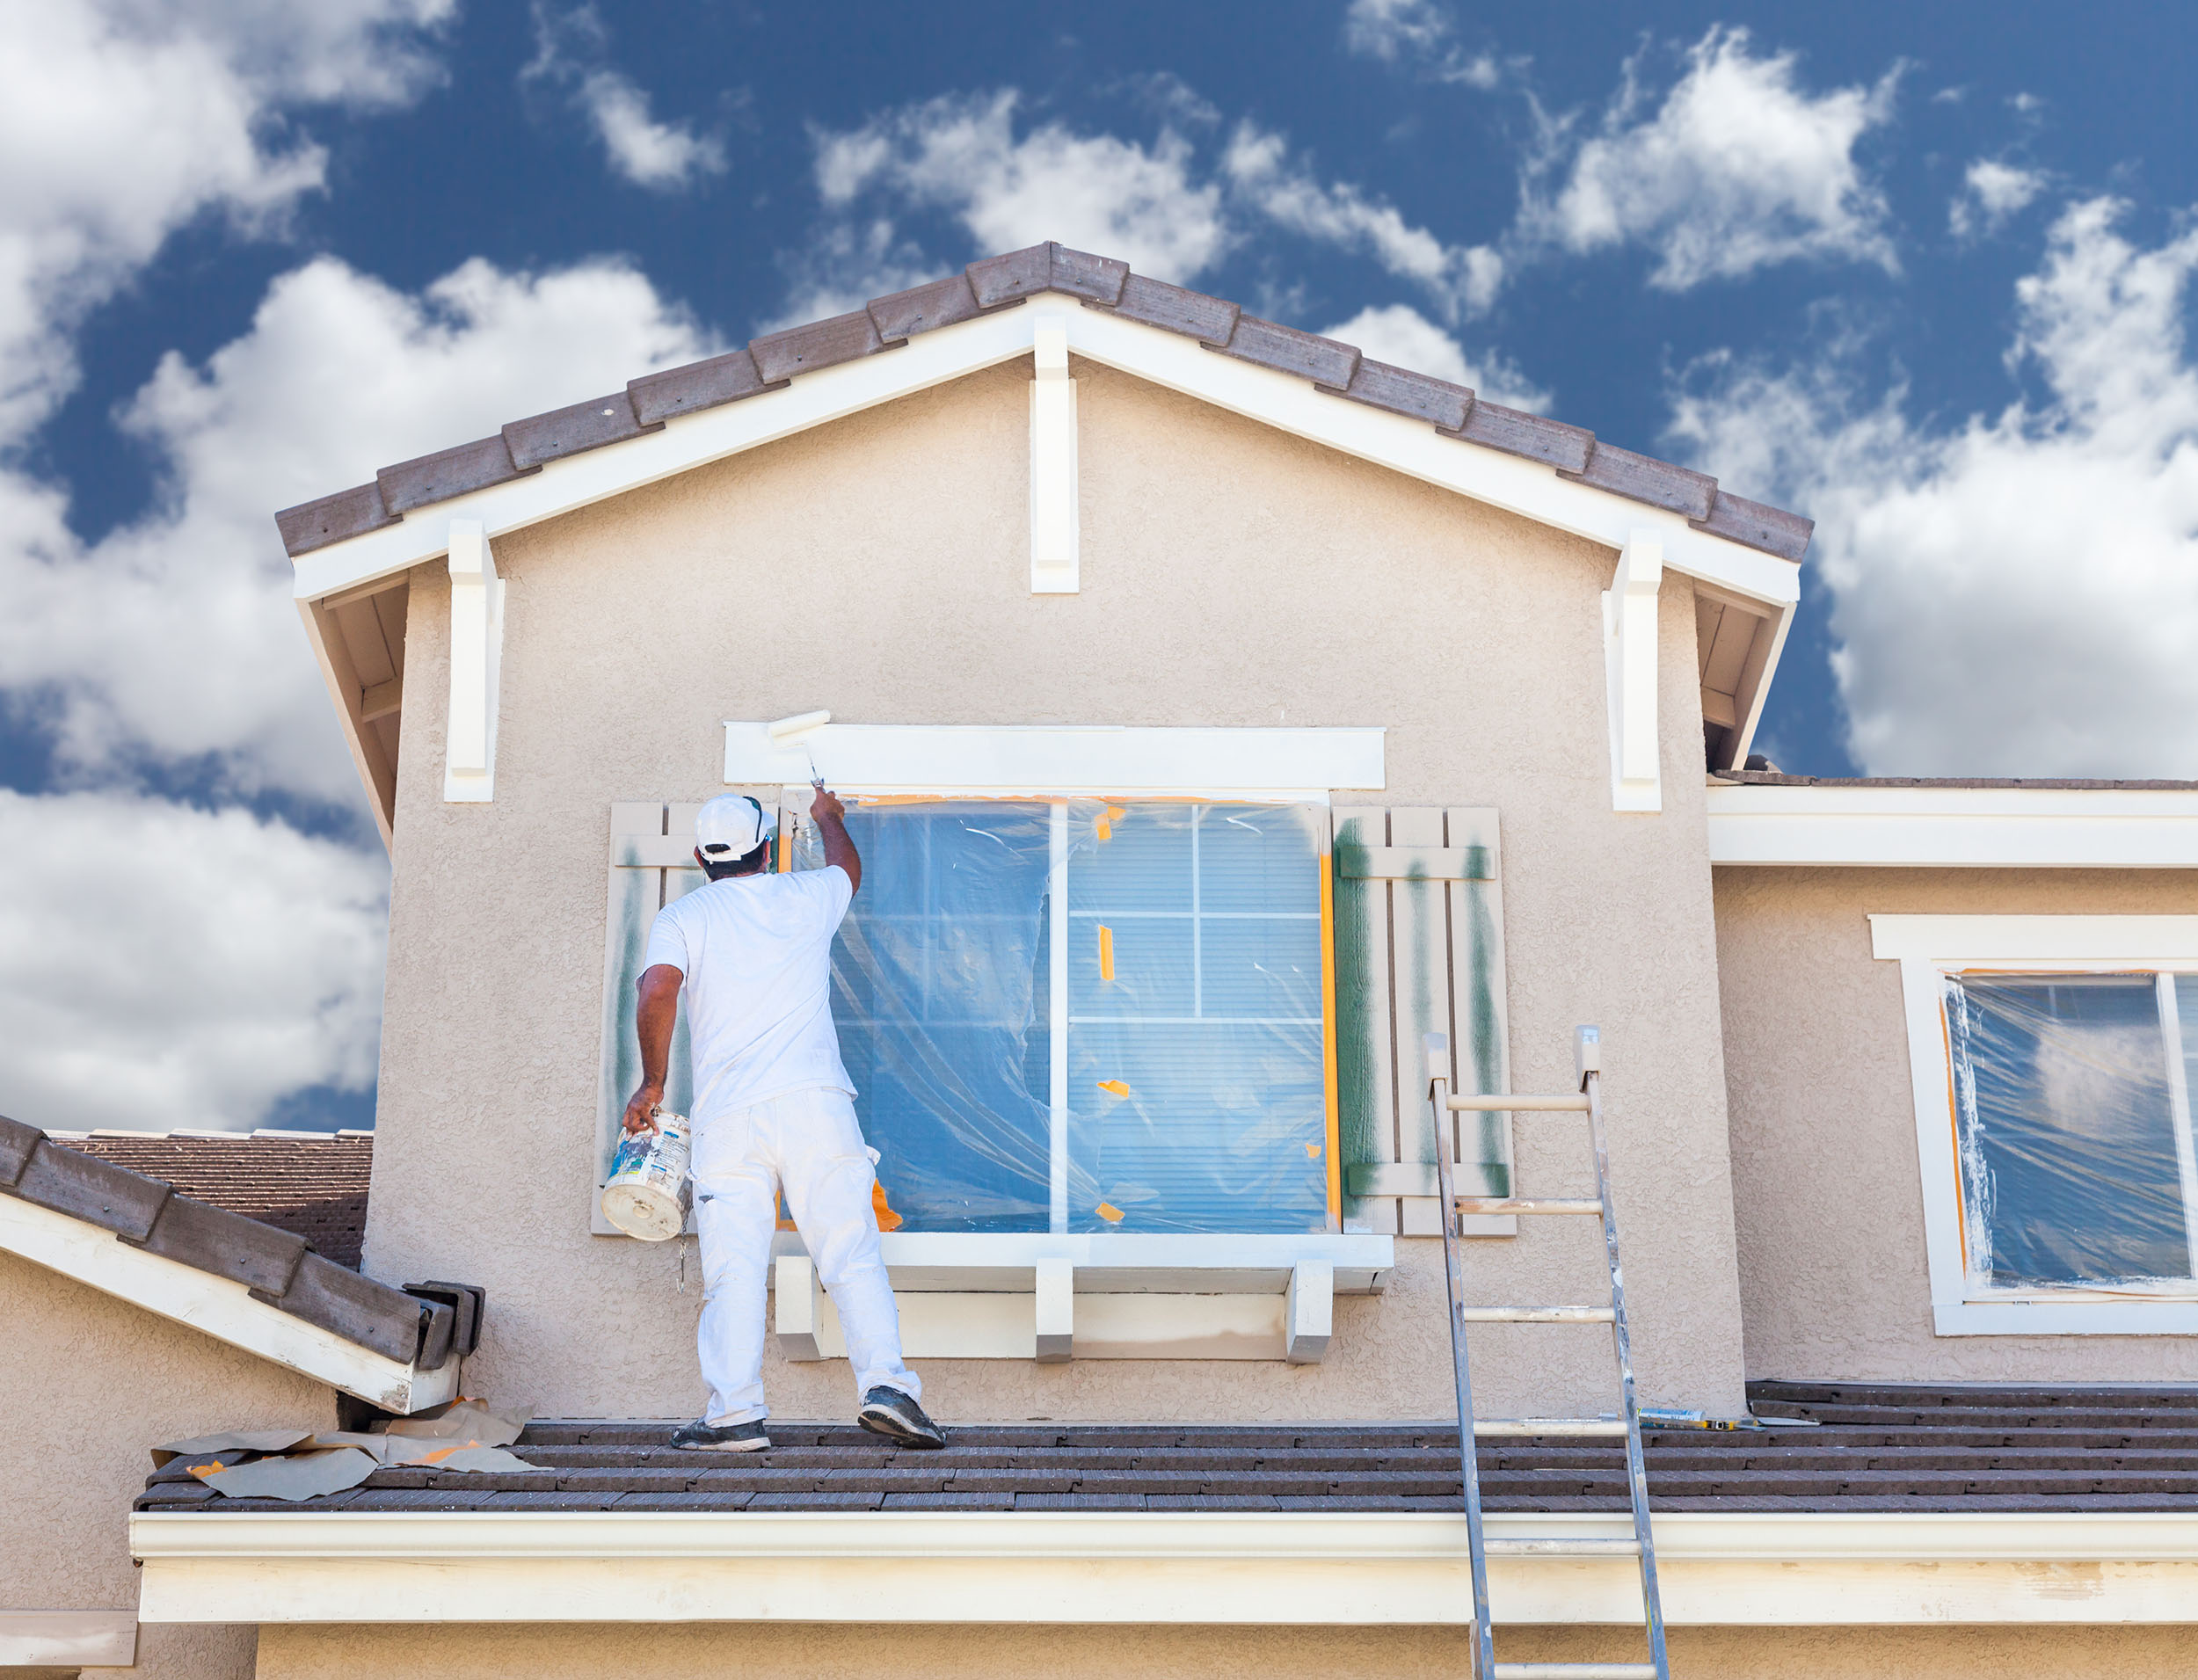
{"x":1419,"y":948}
{"x":652,"y":864}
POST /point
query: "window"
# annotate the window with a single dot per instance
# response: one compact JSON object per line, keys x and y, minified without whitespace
{"x":1084,"y":1015}
{"x":2052,"y":1059}
{"x":2071,"y":1105}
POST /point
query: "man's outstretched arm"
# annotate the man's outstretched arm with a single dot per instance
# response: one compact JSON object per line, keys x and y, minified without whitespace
{"x":830,"y":816}
{"x":655,"y":1011}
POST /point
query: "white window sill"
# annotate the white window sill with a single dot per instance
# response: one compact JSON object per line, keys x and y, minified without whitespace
{"x":1098,"y":1296}
{"x":2169,"y":1317}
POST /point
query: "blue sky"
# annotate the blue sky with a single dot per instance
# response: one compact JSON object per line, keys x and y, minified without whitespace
{"x":1921,"y":272}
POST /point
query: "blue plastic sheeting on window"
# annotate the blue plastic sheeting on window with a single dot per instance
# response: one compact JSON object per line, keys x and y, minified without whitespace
{"x":1197,"y":1093}
{"x":2067,"y":1129}
{"x":1193,"y":1020}
{"x":936,"y":979}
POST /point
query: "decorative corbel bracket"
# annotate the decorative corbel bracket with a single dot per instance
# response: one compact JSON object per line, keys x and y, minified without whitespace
{"x":477,"y":650}
{"x":1053,"y":535}
{"x":1629,"y":667}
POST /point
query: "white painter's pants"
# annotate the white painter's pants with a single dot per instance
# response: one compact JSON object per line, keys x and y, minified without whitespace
{"x":810,"y":1142}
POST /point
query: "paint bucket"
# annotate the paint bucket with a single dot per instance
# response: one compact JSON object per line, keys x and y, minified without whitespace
{"x":647,"y":1195}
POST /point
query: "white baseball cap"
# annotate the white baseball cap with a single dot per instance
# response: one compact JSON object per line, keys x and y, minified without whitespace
{"x":731,"y":825}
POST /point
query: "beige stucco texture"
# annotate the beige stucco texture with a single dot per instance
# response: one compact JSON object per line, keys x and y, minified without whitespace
{"x":1826,"y":1176}
{"x":90,"y":1384}
{"x":704,"y":1651}
{"x":879,"y":566}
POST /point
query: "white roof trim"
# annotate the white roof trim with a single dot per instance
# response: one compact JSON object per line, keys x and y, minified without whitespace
{"x":220,"y":1306}
{"x":2062,"y":828}
{"x":1748,"y":1568}
{"x":1284,"y":400}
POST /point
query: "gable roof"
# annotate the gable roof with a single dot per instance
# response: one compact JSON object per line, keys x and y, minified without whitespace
{"x":244,"y":1280}
{"x":772,"y":362}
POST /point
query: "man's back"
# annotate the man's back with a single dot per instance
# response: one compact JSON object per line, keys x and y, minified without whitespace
{"x":756,"y":951}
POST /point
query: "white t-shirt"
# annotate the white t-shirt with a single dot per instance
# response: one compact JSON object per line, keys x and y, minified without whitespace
{"x":756,"y":950}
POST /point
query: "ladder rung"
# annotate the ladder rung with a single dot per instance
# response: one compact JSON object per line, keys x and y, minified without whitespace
{"x":1515,"y":1103}
{"x":1548,"y":1426}
{"x":1558,"y":1546}
{"x":1575,"y":1671}
{"x":1525,"y":1204}
{"x":1537,"y":1314}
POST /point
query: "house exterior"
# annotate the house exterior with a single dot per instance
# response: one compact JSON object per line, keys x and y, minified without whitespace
{"x":1222,"y":712}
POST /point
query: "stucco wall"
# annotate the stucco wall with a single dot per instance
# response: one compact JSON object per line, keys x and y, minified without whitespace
{"x":1232,"y":576}
{"x":818,"y":1653}
{"x":91,"y":1383}
{"x":1828,"y":1191}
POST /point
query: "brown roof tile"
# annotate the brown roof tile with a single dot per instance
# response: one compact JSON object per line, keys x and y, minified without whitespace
{"x":573,"y":430}
{"x":1517,"y":432}
{"x":1643,"y":478}
{"x":820,"y":343}
{"x":657,"y":397}
{"x":1271,"y":345}
{"x":1403,"y":391}
{"x":315,"y":1188}
{"x":1000,"y":282}
{"x":448,"y":473}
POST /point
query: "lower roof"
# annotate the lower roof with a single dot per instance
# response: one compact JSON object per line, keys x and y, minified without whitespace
{"x":1826,"y":1448}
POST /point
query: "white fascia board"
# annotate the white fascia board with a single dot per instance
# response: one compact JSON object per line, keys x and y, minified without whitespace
{"x":1281,"y":400}
{"x":1290,"y":1569}
{"x":2063,"y":828}
{"x":218,"y":1306}
{"x":1957,"y":941}
{"x":981,"y":758}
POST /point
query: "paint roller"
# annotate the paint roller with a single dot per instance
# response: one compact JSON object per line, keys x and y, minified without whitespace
{"x":789,"y":731}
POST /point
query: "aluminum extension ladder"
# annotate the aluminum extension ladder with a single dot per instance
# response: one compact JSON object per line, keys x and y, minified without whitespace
{"x":1588,"y":1063}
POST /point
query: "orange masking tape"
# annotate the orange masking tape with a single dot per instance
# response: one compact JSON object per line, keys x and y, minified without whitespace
{"x":1106,"y":952}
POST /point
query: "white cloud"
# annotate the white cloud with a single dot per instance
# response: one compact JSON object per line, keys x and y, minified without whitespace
{"x":1403,"y":336}
{"x":119,"y":641}
{"x":1161,"y":207}
{"x":1416,"y":30}
{"x":1462,"y":279}
{"x":1737,"y":169}
{"x":663,"y":156}
{"x":2017,"y":594}
{"x":1096,"y":192}
{"x":164,"y":966}
{"x":1992,"y":193}
{"x":120,"y":122}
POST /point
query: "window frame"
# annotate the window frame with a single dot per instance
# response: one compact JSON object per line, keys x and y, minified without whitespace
{"x":793,"y":812}
{"x":1929,"y":949}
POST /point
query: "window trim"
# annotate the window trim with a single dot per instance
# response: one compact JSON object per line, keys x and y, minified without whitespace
{"x":1928,"y":948}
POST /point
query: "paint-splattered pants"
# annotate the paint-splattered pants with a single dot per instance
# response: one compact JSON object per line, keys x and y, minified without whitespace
{"x":809,"y":1143}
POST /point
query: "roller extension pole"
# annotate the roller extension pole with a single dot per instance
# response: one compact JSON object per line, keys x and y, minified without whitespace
{"x":1454,"y":1275}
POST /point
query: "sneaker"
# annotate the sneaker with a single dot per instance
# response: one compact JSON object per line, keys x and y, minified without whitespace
{"x":895,"y":1416}
{"x":701,"y":1435}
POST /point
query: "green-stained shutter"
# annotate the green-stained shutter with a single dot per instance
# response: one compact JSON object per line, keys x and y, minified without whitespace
{"x":1419,"y":948}
{"x":652,"y":864}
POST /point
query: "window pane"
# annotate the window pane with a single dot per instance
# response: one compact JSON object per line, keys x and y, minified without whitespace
{"x":936,"y":991}
{"x":1197,"y":1093}
{"x":2069,"y":1167}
